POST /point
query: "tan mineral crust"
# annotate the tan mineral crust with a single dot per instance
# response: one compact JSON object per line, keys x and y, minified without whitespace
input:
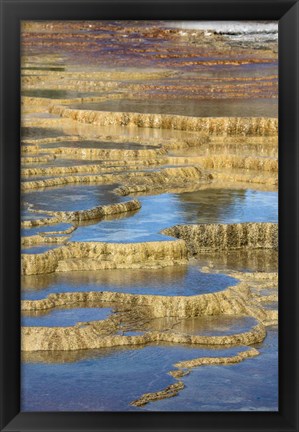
{"x":166,"y":177}
{"x":200,"y":237}
{"x":227,"y":126}
{"x":26,"y":172}
{"x":98,"y":255}
{"x":39,"y":239}
{"x":94,"y":213}
{"x":173,"y":389}
{"x":235,"y":300}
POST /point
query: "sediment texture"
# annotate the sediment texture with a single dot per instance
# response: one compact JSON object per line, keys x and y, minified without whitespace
{"x":203,"y":361}
{"x":165,"y":179}
{"x":173,"y":389}
{"x":98,"y":255}
{"x":170,"y":391}
{"x":40,"y":239}
{"x":231,"y":161}
{"x":95,"y":213}
{"x":243,"y":299}
{"x":227,"y":126}
{"x":252,"y":178}
{"x":236,"y":300}
{"x":114,"y":148}
{"x":96,"y":335}
{"x":162,"y":178}
{"x":112,"y":154}
{"x":204,"y":237}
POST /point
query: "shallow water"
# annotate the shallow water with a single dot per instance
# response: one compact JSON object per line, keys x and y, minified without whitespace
{"x":204,"y":326}
{"x":107,"y":145}
{"x":109,"y":379}
{"x":204,"y":206}
{"x":232,"y":147}
{"x":41,"y":68}
{"x":81,"y":381}
{"x":44,"y":229}
{"x":215,"y":325}
{"x":251,"y":385}
{"x":26,"y":214}
{"x":67,"y":383}
{"x":257,"y":260}
{"x":273,"y":305}
{"x":133,"y":132}
{"x":183,"y":280}
{"x":138,"y":46}
{"x":230,"y":205}
{"x":189,"y":107}
{"x":64,"y":317}
{"x":57,"y":94}
{"x":72,"y":197}
{"x":38,"y":249}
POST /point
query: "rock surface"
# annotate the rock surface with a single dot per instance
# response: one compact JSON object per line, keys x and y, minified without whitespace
{"x":202,"y":237}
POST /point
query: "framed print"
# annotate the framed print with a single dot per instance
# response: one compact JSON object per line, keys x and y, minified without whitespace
{"x":149,"y":215}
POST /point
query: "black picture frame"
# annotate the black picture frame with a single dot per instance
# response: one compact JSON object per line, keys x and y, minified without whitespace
{"x":287,"y":12}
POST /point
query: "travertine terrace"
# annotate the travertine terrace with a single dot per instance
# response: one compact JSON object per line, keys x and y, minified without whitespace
{"x":157,"y":158}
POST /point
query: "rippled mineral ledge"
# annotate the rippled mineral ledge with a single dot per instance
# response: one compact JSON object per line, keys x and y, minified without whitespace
{"x":236,"y":300}
{"x":174,"y":389}
{"x":202,"y":237}
{"x":82,"y":215}
{"x":99,"y":255}
{"x":248,"y":126}
{"x":139,"y":310}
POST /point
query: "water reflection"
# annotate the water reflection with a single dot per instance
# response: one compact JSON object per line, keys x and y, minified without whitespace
{"x":215,"y":326}
{"x":72,"y":197}
{"x":65,"y":317}
{"x":203,"y":206}
{"x":29,"y":132}
{"x":229,"y":206}
{"x":183,"y":280}
{"x":107,"y":145}
{"x":101,"y":380}
{"x":56,"y":94}
{"x":265,"y":260}
{"x":189,"y":107}
{"x":251,"y":385}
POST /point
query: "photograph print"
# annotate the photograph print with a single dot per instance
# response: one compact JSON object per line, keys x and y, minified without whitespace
{"x":149,"y":216}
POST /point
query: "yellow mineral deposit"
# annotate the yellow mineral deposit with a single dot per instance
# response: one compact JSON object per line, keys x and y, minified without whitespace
{"x":174,"y":389}
{"x":252,"y":235}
